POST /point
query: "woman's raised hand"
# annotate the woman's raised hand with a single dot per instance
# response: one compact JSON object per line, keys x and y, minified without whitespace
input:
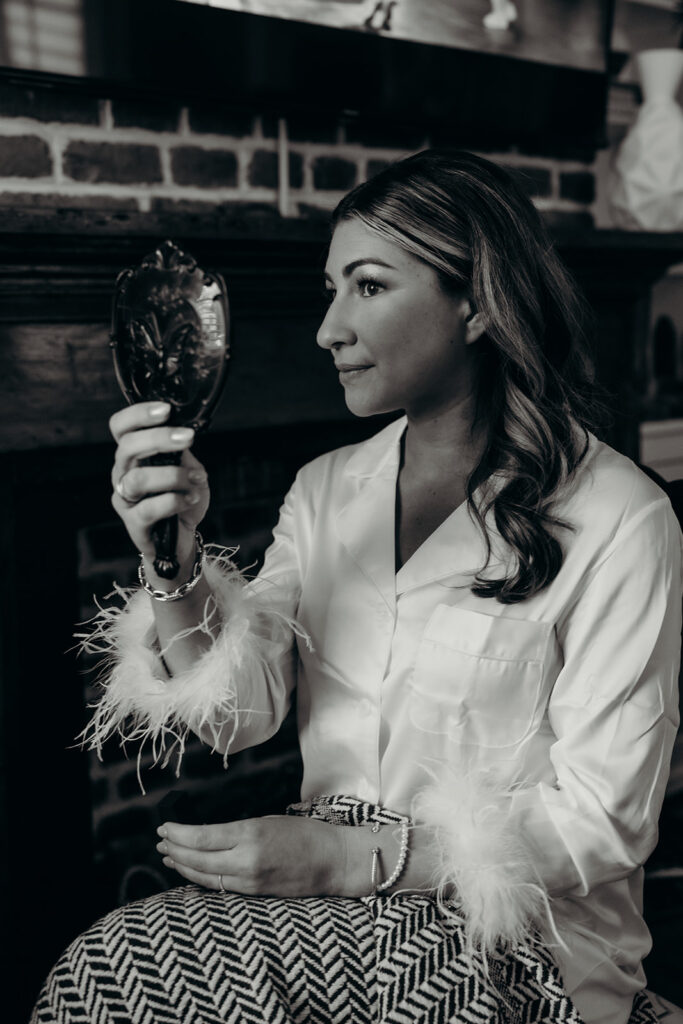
{"x":143,"y":495}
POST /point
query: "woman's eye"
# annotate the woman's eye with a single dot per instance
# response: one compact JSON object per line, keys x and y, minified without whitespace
{"x":369,"y":288}
{"x":329,"y":294}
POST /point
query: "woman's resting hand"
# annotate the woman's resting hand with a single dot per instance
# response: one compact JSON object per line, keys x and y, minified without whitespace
{"x":277,"y":855}
{"x":142,"y":495}
{"x":290,"y":856}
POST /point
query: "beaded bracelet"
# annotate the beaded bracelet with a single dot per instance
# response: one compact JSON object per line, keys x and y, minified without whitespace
{"x":400,"y":864}
{"x":185,"y":588}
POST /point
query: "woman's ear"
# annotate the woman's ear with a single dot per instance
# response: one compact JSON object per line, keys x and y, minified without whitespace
{"x":474,"y":324}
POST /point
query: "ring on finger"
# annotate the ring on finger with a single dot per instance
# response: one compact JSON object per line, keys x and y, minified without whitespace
{"x":118,"y":487}
{"x":220,"y":884}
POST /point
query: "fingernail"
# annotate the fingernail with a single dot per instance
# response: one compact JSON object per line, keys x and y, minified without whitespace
{"x":161,"y":831}
{"x":157,"y":411}
{"x":162,"y":848}
{"x":196,"y":476}
{"x":168,"y":862}
{"x":193,"y":498}
{"x":182,"y":434}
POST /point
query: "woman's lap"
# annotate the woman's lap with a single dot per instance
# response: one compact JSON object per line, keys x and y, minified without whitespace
{"x":190,"y":956}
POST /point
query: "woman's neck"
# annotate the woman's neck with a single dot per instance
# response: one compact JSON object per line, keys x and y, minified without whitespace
{"x":445,"y":443}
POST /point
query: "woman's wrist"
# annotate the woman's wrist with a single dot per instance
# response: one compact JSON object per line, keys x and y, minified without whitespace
{"x":186,"y":553}
{"x":353,"y":862}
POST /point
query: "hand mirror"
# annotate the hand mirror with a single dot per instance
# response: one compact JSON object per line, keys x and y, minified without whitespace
{"x":170,"y":341}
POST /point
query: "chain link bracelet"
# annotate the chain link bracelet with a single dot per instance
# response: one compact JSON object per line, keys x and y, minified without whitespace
{"x":185,"y":588}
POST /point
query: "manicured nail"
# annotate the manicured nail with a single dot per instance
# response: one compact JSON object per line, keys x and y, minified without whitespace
{"x":157,"y":411}
{"x":161,"y":831}
{"x":162,"y":848}
{"x":196,"y":476}
{"x":182,"y":434}
{"x":168,"y":862}
{"x":193,"y":498}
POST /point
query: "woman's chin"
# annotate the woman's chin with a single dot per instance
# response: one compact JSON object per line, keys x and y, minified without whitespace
{"x":363,"y":406}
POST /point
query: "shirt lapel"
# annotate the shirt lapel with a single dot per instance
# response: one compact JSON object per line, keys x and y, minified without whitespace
{"x":366,"y":523}
{"x":455,"y":549}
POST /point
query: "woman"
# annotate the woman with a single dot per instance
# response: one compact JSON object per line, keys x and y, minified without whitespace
{"x":480,"y":610}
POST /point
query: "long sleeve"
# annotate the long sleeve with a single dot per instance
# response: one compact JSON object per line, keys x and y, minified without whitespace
{"x":239,"y":690}
{"x":612,"y":714}
{"x":614,"y":711}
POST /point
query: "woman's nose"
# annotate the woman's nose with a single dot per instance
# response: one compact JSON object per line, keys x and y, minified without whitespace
{"x":335,"y":331}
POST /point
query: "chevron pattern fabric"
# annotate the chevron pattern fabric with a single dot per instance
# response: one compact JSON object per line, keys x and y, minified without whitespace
{"x":193,"y":956}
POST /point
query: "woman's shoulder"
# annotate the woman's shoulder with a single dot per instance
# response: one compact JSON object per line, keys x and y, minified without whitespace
{"x":609,"y":494}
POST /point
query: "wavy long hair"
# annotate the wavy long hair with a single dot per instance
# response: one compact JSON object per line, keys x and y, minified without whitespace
{"x":472,"y":223}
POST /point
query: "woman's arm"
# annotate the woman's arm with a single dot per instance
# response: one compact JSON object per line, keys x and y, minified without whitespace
{"x":614,"y":713}
{"x":291,"y":856}
{"x":217,"y":662}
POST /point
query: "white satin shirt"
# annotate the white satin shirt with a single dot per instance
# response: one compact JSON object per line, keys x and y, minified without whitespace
{"x":571,"y":696}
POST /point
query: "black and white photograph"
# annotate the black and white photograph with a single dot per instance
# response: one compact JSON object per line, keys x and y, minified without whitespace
{"x":341,"y":464}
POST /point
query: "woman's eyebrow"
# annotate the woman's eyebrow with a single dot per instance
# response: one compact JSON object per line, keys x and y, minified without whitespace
{"x":350,"y":267}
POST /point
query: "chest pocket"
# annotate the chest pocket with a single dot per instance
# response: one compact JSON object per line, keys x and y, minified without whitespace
{"x":479,"y":678}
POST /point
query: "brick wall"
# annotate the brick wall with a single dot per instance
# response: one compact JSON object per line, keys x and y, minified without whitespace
{"x":62,"y":150}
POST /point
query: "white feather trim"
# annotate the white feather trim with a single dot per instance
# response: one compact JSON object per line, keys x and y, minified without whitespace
{"x":141,"y":703}
{"x":485,"y":879}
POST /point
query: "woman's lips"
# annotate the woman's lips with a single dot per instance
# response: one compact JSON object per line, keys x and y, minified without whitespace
{"x":349,"y":372}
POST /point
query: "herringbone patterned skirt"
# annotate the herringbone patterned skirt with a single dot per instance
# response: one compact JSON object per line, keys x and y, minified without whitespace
{"x":193,"y":956}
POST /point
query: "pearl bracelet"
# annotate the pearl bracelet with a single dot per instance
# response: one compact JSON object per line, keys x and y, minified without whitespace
{"x":400,"y":864}
{"x":185,"y":588}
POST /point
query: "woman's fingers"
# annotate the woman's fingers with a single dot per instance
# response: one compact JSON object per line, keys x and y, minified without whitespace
{"x":137,"y":417}
{"x":144,"y":481}
{"x":208,"y":881}
{"x":140,"y":444}
{"x":208,"y":863}
{"x":222,"y":836}
{"x":150,"y":510}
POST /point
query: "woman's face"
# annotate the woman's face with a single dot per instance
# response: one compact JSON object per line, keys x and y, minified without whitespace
{"x":398,"y":340}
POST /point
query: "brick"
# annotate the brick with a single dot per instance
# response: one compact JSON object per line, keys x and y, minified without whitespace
{"x":24,"y":156}
{"x":263,"y":170}
{"x":133,"y":821}
{"x":205,"y":168}
{"x":152,"y":779}
{"x":334,"y":173}
{"x":565,"y":220}
{"x":47,"y":104}
{"x":217,"y":119}
{"x":99,"y":791}
{"x":296,"y":170}
{"x":535,"y":181}
{"x":155,"y":115}
{"x":577,"y":185}
{"x":116,"y":163}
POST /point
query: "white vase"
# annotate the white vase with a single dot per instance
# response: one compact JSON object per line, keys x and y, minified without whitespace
{"x":646,"y":183}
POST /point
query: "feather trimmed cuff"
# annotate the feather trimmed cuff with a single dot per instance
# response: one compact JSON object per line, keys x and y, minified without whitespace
{"x":140,"y":702}
{"x":485,"y":878}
